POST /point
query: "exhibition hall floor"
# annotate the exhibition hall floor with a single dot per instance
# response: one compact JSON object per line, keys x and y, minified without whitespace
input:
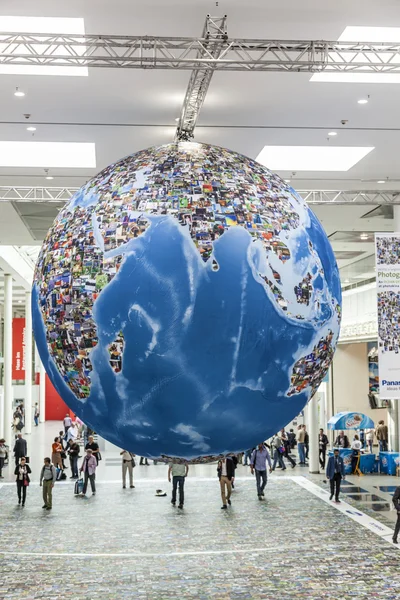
{"x":131,"y":544}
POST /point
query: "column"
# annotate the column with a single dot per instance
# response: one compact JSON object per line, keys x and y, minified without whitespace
{"x":28,"y":364}
{"x":7,"y":353}
{"x":42,"y":393}
{"x":312,"y":414}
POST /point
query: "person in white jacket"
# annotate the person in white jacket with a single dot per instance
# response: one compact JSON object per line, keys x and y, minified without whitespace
{"x":369,"y":436}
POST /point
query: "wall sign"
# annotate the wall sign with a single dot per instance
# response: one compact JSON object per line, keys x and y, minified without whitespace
{"x":387,"y":246}
{"x":18,"y":349}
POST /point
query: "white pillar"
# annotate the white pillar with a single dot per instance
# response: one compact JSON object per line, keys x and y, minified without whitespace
{"x":8,"y":390}
{"x":28,"y":364}
{"x":42,"y":393}
{"x":312,"y":414}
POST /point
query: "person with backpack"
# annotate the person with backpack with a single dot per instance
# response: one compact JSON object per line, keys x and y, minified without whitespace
{"x":128,"y":464}
{"x":258,"y":463}
{"x":278,"y":452}
{"x":47,"y":479}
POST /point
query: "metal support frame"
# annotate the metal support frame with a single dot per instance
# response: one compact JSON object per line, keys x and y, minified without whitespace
{"x":152,"y":52}
{"x":215,"y":32}
{"x":60,"y":195}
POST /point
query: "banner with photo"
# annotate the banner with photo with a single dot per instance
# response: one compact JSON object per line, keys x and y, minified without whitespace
{"x":387,"y":246}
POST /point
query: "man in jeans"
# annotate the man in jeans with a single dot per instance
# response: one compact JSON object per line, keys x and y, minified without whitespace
{"x":301,"y":438}
{"x":73,"y":452}
{"x":89,"y":469}
{"x":178,"y":471}
{"x":47,"y":480}
{"x":258,"y":463}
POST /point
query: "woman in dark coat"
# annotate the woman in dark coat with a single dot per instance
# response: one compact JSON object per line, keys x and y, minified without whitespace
{"x":22,"y":471}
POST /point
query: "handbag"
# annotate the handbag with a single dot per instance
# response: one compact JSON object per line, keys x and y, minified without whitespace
{"x":26,"y":482}
{"x":281,"y":450}
{"x":99,"y":458}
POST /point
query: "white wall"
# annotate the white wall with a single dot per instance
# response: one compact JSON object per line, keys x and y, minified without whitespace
{"x":359,"y":319}
{"x":350,"y":381}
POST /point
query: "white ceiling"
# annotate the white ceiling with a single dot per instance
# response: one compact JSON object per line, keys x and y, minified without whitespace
{"x":123,"y":111}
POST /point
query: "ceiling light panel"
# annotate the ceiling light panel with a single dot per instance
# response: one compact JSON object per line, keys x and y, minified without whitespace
{"x":48,"y":154}
{"x":364,"y":34}
{"x":312,"y":158}
{"x":44,"y":26}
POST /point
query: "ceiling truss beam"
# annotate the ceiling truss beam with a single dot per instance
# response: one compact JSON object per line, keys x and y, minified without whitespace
{"x":152,"y":52}
{"x":60,"y":195}
{"x":199,"y":82}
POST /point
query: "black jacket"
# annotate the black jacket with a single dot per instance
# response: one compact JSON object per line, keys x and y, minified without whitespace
{"x":323,"y":441}
{"x":230,"y":468}
{"x":20,"y":447}
{"x":346,"y":442}
{"x":396,"y":498}
{"x":28,"y":470}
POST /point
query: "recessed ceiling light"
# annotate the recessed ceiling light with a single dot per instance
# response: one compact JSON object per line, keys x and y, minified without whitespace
{"x":177,"y":119}
{"x":312,"y":158}
{"x":48,"y":154}
{"x":18,"y":93}
{"x":346,"y":281}
{"x":287,"y":180}
{"x":31,"y":128}
{"x":19,"y":301}
{"x":44,"y":26}
{"x":381,"y":181}
{"x":364,"y":236}
{"x":332,"y":133}
{"x":49,"y":177}
{"x":362,"y":101}
{"x":361,"y":34}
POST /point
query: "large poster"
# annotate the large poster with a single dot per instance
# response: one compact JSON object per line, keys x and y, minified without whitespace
{"x":18,"y":349}
{"x":387,"y":247}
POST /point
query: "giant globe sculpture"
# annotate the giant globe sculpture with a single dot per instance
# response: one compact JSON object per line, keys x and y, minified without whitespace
{"x":186,"y":302}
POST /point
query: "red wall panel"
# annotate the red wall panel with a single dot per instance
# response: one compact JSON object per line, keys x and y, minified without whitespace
{"x":56,"y":409}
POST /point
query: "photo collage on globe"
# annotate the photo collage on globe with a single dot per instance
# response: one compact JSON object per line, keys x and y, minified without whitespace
{"x":208,"y":190}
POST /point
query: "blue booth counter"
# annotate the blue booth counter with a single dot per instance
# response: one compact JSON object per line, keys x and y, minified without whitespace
{"x":367,"y":461}
{"x":388,"y":461}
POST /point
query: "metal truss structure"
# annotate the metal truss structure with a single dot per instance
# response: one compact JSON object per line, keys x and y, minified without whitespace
{"x":152,"y":52}
{"x":215,"y":32}
{"x":60,"y":195}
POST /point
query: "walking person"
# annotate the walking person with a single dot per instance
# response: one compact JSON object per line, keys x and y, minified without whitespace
{"x":226,"y":471}
{"x":128,"y":464}
{"x":144,"y":461}
{"x":382,"y":435}
{"x":71,"y":435}
{"x":94,"y":447}
{"x":258,"y":463}
{"x":67,"y":422}
{"x":306,"y":443}
{"x":36,"y":414}
{"x":356,"y":447}
{"x":3,"y":456}
{"x":301,"y":445}
{"x":323,"y":442}
{"x":370,"y":434}
{"x":396,"y":502}
{"x":292,"y":439}
{"x":22,"y":471}
{"x":48,"y":476}
{"x":335,"y":473}
{"x":88,"y":468}
{"x":56,"y":450}
{"x":247,"y":456}
{"x":73,"y":452}
{"x":20,"y":449}
{"x":278,"y":452}
{"x":178,"y":471}
{"x":286,"y":448}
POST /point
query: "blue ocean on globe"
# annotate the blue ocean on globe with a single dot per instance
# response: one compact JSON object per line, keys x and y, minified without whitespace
{"x":186,"y":302}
